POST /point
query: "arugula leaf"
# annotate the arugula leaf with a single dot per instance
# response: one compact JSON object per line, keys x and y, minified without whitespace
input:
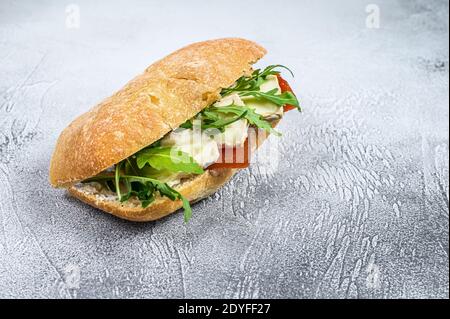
{"x":145,"y":188}
{"x":187,"y":209}
{"x":250,"y":86}
{"x":258,"y":121}
{"x":211,"y":119}
{"x":164,"y":190}
{"x":246,"y":87}
{"x":270,"y":70}
{"x":220,"y":123}
{"x":271,"y":96}
{"x":127,"y":196}
{"x":168,"y":158}
{"x":250,"y":115}
{"x":253,"y":82}
{"x":117,"y":181}
{"x":187,"y":124}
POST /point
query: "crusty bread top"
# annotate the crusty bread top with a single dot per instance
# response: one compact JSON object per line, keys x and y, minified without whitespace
{"x":168,"y":93}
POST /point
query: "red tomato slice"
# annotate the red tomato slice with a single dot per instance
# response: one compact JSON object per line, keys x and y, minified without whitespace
{"x":285,"y":87}
{"x":233,"y":157}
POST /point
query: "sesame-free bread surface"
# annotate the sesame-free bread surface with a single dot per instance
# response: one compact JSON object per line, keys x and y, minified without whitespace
{"x":168,"y":93}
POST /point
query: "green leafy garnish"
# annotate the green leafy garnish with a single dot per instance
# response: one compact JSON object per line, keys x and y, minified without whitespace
{"x":168,"y":158}
{"x":163,"y":189}
{"x":117,"y":181}
{"x":221,"y":116}
{"x":272,"y":96}
{"x":250,"y":86}
{"x":210,"y":118}
{"x":249,"y":114}
{"x":246,"y":87}
{"x":144,"y":188}
{"x":253,"y":82}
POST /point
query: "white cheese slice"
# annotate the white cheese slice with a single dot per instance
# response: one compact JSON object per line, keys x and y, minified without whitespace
{"x":202,"y":148}
{"x":265,"y":108}
{"x":269,"y":84}
{"x":235,"y":134}
{"x":230,"y":99}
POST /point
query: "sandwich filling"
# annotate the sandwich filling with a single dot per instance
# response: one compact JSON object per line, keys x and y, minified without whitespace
{"x":218,"y":137}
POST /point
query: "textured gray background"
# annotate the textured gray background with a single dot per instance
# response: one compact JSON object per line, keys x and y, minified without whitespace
{"x":357,"y":207}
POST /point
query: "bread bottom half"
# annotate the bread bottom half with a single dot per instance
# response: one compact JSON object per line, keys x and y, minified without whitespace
{"x":193,"y":189}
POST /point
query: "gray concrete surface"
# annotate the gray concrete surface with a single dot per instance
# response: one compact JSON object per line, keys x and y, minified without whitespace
{"x":356,"y":207}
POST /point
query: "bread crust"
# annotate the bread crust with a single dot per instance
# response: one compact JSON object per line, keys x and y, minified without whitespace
{"x":168,"y":93}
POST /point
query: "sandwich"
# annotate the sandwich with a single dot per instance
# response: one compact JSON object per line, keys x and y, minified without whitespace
{"x":174,"y":134}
